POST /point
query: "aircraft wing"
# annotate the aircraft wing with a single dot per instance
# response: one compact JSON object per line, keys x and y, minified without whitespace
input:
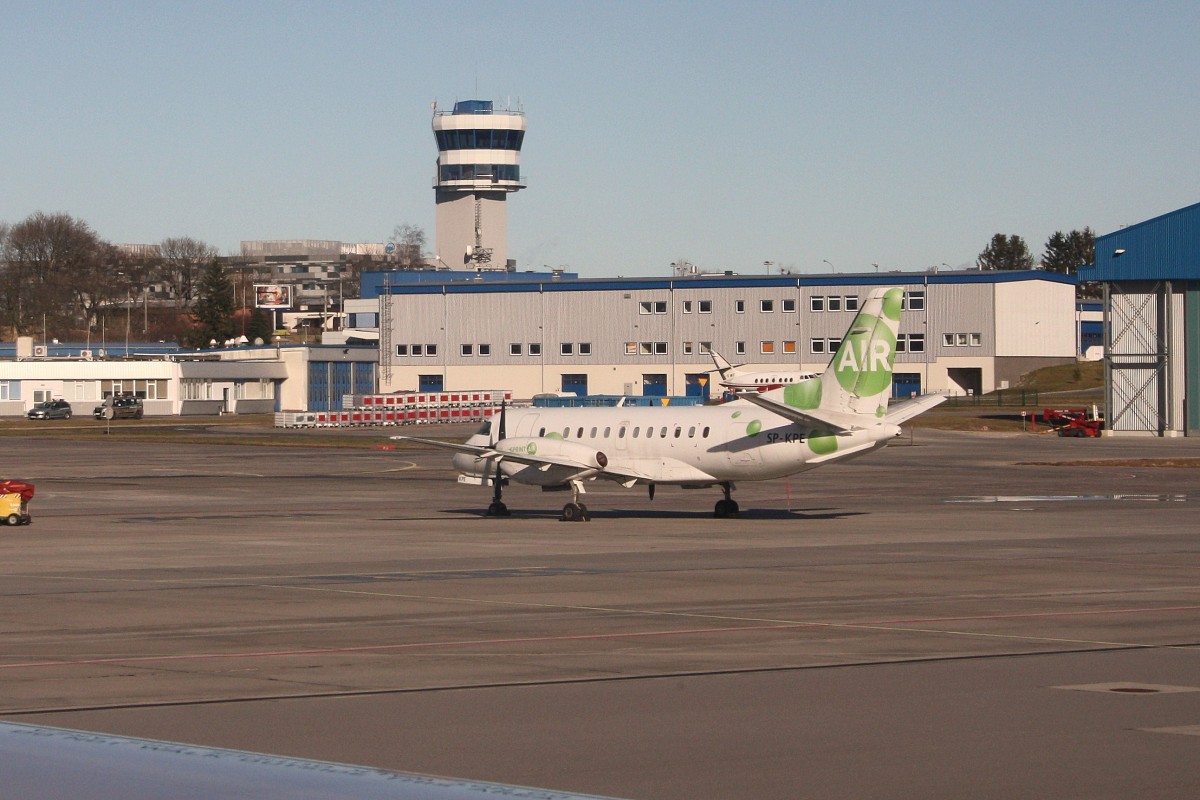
{"x":815,"y":418}
{"x":40,"y":761}
{"x":623,"y":474}
{"x":902,"y":412}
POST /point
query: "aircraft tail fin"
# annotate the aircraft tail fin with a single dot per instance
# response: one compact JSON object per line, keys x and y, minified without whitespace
{"x":858,"y":381}
{"x":722,"y":365}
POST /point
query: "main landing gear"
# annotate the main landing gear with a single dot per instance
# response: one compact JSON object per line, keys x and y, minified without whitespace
{"x":576,"y":511}
{"x":497,"y":508}
{"x":727,"y":507}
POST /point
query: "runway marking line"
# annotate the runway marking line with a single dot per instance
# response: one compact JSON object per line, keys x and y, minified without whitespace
{"x":772,"y":625}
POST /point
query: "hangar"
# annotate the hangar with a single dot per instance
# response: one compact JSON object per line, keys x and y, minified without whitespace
{"x":1150,"y":273}
{"x":964,"y":332}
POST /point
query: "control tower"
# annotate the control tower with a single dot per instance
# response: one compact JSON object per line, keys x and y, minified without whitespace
{"x":479,"y":164}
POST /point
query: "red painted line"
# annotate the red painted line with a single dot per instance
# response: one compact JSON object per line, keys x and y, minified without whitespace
{"x":412,"y":645}
{"x":577,"y":638}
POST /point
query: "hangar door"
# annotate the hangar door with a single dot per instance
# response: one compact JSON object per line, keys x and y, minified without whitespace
{"x":1144,"y":357}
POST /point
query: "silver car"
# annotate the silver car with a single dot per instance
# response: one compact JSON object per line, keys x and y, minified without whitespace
{"x":51,"y":409}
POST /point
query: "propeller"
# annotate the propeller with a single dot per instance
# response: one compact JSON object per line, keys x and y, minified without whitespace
{"x":500,"y":436}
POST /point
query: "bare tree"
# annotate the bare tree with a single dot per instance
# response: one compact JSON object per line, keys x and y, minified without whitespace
{"x":410,"y":245}
{"x":184,"y":260}
{"x":52,"y":262}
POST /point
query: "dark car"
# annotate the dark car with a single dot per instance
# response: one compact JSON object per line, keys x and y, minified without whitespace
{"x":121,"y":408}
{"x":50,"y":409}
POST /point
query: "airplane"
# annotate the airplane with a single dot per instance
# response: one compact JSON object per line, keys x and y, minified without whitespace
{"x":39,"y":761}
{"x":840,"y":414}
{"x":735,"y":379}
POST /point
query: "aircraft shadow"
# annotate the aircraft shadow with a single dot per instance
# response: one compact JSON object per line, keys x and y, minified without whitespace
{"x":747,"y":514}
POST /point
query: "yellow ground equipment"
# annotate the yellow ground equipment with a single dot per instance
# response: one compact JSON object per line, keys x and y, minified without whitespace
{"x":14,"y":502}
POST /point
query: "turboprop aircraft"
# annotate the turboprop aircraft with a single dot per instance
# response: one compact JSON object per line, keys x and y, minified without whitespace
{"x":736,"y":379}
{"x":841,"y":413}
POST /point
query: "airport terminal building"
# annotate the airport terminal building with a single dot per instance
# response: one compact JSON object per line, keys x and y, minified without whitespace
{"x":966,"y":332}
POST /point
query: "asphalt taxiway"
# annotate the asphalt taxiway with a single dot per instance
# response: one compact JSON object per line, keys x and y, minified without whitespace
{"x":994,"y":614}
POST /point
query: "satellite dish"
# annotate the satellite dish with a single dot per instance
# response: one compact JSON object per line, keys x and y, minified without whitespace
{"x":390,"y":247}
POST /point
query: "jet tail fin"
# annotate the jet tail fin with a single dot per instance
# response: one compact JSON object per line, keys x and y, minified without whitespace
{"x":722,"y":365}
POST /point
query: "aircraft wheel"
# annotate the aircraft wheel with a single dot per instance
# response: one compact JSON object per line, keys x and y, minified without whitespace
{"x":586,"y":515}
{"x":574,"y":513}
{"x":498,"y":510}
{"x":13,"y":519}
{"x":726,"y":508}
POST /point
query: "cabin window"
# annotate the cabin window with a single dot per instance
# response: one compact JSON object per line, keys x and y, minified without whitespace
{"x":592,"y":435}
{"x":607,"y":432}
{"x":692,"y":432}
{"x":541,"y":431}
{"x":579,"y":434}
{"x":704,"y":433}
{"x":566,"y":433}
{"x":621,"y":432}
{"x":678,"y":431}
{"x":663,"y":432}
{"x":636,"y":431}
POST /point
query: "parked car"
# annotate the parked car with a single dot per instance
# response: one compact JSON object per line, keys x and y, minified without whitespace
{"x":51,"y":409}
{"x":121,"y":408}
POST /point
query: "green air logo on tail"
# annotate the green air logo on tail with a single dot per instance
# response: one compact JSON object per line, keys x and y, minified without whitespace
{"x":863,"y":364}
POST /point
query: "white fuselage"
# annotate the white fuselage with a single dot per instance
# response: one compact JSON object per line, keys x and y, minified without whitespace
{"x":685,"y":445}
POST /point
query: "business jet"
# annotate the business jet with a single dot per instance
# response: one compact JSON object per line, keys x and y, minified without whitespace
{"x":840,"y":414}
{"x":735,"y":379}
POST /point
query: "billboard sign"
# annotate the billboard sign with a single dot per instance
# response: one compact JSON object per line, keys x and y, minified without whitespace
{"x":272,"y":295}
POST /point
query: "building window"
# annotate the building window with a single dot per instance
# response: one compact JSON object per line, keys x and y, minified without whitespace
{"x":646,"y":307}
{"x":833,"y":303}
{"x":631,"y":348}
{"x":976,"y":340}
{"x":585,"y":348}
{"x":789,"y":306}
{"x":739,"y":348}
{"x":960,"y":339}
{"x":816,"y":345}
{"x":687,"y":306}
{"x":739,"y":306}
{"x":535,"y":348}
{"x":687,"y":348}
{"x":834,"y":344}
{"x":566,"y":349}
{"x":515,"y":348}
{"x":467,"y":350}
{"x":916,"y":343}
{"x":789,"y":346}
{"x":653,"y":307}
{"x":766,"y":306}
{"x":431,"y":349}
{"x":913,"y":301}
{"x":947,"y":340}
{"x":417,"y":349}
{"x":402,"y":350}
{"x":705,"y":306}
{"x":705,"y":348}
{"x":660,"y":348}
{"x":816,"y":304}
{"x":851,"y":302}
{"x":766,"y":348}
{"x":485,"y":349}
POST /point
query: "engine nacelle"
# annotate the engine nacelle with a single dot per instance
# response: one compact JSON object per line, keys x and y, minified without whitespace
{"x":577,"y":453}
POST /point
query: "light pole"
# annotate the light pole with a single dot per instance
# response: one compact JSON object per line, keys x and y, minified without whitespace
{"x":830,"y":263}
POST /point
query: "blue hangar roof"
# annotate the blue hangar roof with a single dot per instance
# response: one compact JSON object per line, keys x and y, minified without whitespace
{"x":373,"y":288}
{"x":1162,"y":248}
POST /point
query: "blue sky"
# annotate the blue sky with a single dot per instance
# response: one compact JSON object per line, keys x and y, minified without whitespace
{"x":808,"y":135}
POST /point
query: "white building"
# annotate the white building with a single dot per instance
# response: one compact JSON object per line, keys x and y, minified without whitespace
{"x":962,"y":332}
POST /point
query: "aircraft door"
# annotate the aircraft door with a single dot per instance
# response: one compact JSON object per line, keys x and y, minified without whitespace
{"x":527,"y":425}
{"x":744,"y":441}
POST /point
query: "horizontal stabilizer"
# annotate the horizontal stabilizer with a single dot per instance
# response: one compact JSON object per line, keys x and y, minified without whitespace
{"x":902,"y":412}
{"x":816,"y":418}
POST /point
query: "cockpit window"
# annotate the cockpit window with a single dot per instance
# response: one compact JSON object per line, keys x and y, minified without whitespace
{"x":485,"y":429}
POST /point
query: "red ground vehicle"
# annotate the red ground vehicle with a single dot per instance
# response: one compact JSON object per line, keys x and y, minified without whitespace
{"x":1073,"y":422}
{"x":14,"y":502}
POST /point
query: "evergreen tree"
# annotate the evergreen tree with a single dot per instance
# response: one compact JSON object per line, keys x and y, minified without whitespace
{"x":213,"y":312}
{"x":1065,"y":253}
{"x":1006,"y":252}
{"x":260,"y":327}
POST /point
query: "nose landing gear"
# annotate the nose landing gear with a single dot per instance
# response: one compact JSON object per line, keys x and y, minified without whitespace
{"x":576,"y":511}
